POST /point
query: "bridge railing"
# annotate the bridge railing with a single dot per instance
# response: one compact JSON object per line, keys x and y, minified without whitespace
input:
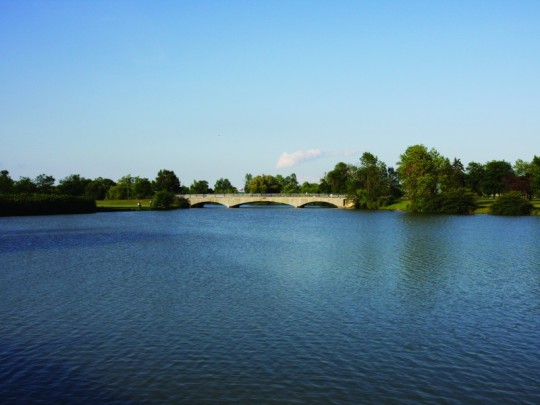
{"x":262,"y":195}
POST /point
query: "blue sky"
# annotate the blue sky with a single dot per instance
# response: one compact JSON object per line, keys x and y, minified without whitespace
{"x":215,"y":89}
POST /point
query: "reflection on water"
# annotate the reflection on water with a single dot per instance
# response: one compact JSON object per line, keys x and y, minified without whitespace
{"x":269,"y":306}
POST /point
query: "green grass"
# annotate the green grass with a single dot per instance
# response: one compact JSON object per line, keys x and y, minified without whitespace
{"x":123,"y":204}
{"x":402,"y":205}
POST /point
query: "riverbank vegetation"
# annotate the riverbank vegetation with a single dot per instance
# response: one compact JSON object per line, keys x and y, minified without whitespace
{"x":423,"y":181}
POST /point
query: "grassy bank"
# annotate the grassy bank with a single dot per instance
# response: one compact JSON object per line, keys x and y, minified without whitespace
{"x":402,"y":205}
{"x":123,"y":205}
{"x":484,"y":204}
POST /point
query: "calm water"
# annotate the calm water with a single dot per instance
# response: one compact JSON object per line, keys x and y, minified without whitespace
{"x":269,"y":306}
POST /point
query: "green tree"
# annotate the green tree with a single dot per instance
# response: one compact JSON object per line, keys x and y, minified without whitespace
{"x":6,"y":182}
{"x":142,"y":187}
{"x":247,"y":179}
{"x":44,"y":184}
{"x":123,"y":190}
{"x":340,"y":179}
{"x":535,"y":176}
{"x":289,"y":184}
{"x":167,"y":180}
{"x":511,"y":203}
{"x":97,"y":189}
{"x":418,"y":171}
{"x":224,"y":186}
{"x":474,"y":177}
{"x":495,"y":176}
{"x":264,"y":184}
{"x":199,"y":187}
{"x":309,"y":188}
{"x":394,"y":186}
{"x":373,"y":182}
{"x":457,"y":179}
{"x":24,"y":185}
{"x":73,"y":184}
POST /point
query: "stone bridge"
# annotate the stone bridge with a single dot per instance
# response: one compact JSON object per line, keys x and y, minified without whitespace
{"x":294,"y":200}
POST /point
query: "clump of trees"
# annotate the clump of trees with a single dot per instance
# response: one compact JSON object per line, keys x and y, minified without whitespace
{"x":435,"y":185}
{"x":431,"y":182}
{"x":512,"y":203}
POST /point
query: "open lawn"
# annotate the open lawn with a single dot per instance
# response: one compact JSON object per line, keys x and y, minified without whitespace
{"x":123,"y":205}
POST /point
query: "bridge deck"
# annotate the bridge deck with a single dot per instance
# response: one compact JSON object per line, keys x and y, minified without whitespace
{"x":295,"y":200}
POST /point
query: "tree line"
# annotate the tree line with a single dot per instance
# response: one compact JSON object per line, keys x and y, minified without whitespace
{"x":430,"y":181}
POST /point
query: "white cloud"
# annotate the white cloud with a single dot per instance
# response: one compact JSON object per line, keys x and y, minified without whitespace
{"x":292,"y":159}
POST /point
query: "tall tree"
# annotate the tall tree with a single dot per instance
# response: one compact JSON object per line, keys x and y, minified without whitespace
{"x":495,"y":176}
{"x":264,"y":184}
{"x":309,"y":188}
{"x":25,"y":185}
{"x":289,"y":184}
{"x":123,"y":190}
{"x":199,"y":187}
{"x":474,"y":177}
{"x":73,"y":184}
{"x":247,"y":179}
{"x":167,"y":180}
{"x":44,"y":184}
{"x":339,"y":179}
{"x":224,"y":186}
{"x":419,"y":173}
{"x":372,"y":181}
{"x":142,"y":187}
{"x":6,"y":182}
{"x":97,"y":189}
{"x":535,"y":176}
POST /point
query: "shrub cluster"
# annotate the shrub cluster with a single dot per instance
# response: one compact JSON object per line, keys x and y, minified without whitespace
{"x":166,"y":200}
{"x":512,"y":203}
{"x":44,"y":204}
{"x":458,"y":201}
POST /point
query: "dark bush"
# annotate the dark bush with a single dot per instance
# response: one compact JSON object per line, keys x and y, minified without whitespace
{"x":458,"y":201}
{"x":512,"y":203}
{"x":167,"y":200}
{"x":44,"y":204}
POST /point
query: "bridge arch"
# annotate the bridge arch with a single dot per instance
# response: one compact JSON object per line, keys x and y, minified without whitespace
{"x":293,"y":200}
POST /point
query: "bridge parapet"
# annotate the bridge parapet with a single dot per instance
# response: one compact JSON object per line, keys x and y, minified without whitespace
{"x":295,"y":200}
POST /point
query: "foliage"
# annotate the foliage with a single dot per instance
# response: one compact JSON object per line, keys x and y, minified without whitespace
{"x":97,"y":188}
{"x":142,"y":187}
{"x":44,"y":184}
{"x":166,"y":200}
{"x":512,"y":203}
{"x":289,"y":184}
{"x":73,"y":184}
{"x":535,"y":176}
{"x":44,"y":204}
{"x":372,"y":182}
{"x":473,"y":177}
{"x":419,"y":172}
{"x":495,"y":173}
{"x":224,"y":186}
{"x":264,"y":184}
{"x":309,"y":188}
{"x":6,"y":182}
{"x":455,"y":201}
{"x":24,"y":185}
{"x":247,"y":179}
{"x":200,"y":187}
{"x":167,"y":180}
{"x":340,"y":179}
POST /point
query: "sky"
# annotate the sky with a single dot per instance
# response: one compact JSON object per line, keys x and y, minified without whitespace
{"x":218,"y":89}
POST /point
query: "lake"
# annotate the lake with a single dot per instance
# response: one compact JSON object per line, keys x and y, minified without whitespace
{"x":269,"y":306}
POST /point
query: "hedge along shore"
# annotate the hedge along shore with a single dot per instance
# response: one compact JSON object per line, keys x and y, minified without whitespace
{"x":45,"y":204}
